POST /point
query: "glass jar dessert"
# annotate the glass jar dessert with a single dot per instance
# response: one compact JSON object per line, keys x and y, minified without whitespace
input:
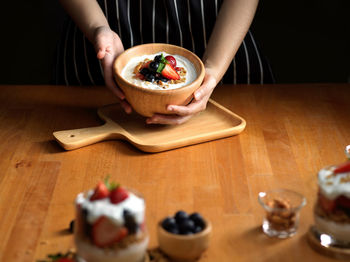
{"x":332,"y":208}
{"x":110,"y":225}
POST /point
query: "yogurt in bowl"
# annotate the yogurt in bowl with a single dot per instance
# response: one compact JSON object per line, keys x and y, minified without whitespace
{"x":182,"y":80}
{"x":183,"y":67}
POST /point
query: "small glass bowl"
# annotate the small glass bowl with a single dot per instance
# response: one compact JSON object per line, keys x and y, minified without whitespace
{"x":282,"y":208}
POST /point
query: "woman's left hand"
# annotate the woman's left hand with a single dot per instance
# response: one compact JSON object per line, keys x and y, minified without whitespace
{"x":181,"y":114}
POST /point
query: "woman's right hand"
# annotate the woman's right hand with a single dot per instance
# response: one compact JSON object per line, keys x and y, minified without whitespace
{"x":108,"y":47}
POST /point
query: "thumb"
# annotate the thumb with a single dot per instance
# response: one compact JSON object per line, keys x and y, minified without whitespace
{"x":207,"y":86}
{"x":101,"y":53}
{"x":101,"y":45}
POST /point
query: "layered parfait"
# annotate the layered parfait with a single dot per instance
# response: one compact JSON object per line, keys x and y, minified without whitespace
{"x":332,"y":209}
{"x":160,"y":71}
{"x":110,"y":224}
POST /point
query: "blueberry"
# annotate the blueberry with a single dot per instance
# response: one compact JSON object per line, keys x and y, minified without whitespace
{"x":187,"y":225}
{"x":144,"y":71}
{"x":197,"y":219}
{"x":153,"y":66}
{"x":174,"y":230}
{"x":169,"y":223}
{"x":197,"y":229}
{"x":180,"y":216}
{"x":150,"y":77}
{"x":164,"y":79}
{"x":129,"y":221}
{"x":158,"y":58}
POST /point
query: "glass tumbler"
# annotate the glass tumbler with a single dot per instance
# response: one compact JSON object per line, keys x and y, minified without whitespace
{"x":282,"y":208}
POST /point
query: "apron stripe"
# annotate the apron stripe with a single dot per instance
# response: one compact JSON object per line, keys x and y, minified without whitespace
{"x":259,"y":59}
{"x":74,"y":57}
{"x":234,"y":71}
{"x":203,"y":26}
{"x":141,"y":34}
{"x":87,"y":63}
{"x":118,"y":18}
{"x":65,"y":54}
{"x":190,"y":25}
{"x":178,"y":23}
{"x":247,"y":59}
{"x":153,"y":21}
{"x":167,"y":23}
{"x":130,"y":29}
{"x":106,"y":10}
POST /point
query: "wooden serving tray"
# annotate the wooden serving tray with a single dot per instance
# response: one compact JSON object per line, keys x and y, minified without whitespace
{"x":213,"y":123}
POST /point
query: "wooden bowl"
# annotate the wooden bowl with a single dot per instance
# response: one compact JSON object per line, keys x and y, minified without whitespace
{"x":145,"y":101}
{"x":184,"y":247}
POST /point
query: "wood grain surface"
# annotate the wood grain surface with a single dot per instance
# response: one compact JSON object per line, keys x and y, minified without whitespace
{"x":292,"y":131}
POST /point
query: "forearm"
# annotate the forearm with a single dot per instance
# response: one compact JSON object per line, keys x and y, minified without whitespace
{"x":231,"y":26}
{"x":87,"y":15}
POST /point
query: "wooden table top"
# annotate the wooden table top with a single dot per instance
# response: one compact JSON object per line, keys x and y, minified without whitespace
{"x":292,"y":131}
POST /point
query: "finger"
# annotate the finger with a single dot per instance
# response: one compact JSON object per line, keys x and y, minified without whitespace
{"x":108,"y":76}
{"x":193,"y":108}
{"x":167,"y":119}
{"x":206,"y":88}
{"x":126,"y":106}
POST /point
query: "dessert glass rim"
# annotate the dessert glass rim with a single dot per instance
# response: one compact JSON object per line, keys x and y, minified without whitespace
{"x":262,"y":195}
{"x":162,"y":91}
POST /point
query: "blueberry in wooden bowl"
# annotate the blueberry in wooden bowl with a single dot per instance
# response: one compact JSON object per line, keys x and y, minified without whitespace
{"x":184,"y":237}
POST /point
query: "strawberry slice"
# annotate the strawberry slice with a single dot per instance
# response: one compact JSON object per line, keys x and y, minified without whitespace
{"x":343,"y":201}
{"x":342,"y":168}
{"x":118,"y":195}
{"x":171,"y":60}
{"x":105,"y":233}
{"x":327,"y":205}
{"x":101,"y":191}
{"x":170,"y":73}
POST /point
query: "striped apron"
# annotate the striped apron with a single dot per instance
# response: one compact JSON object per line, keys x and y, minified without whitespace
{"x":187,"y":23}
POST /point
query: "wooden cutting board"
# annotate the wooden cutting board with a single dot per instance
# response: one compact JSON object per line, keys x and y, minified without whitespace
{"x":213,"y":123}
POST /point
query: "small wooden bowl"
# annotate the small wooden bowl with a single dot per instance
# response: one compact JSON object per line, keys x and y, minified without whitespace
{"x":184,"y":247}
{"x":145,"y":101}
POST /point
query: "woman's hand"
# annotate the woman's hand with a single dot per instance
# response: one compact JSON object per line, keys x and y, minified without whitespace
{"x":181,"y":114}
{"x":108,"y":46}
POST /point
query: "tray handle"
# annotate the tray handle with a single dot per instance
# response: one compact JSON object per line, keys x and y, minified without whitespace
{"x":76,"y":138}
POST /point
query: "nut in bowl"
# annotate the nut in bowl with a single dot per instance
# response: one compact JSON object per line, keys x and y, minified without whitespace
{"x":165,"y":83}
{"x":178,"y":241}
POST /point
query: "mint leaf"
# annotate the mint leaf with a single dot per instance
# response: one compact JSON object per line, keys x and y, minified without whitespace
{"x":110,"y":185}
{"x":160,"y":67}
{"x":163,"y":60}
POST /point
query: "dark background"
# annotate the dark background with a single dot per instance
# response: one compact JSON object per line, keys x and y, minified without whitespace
{"x":304,"y":40}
